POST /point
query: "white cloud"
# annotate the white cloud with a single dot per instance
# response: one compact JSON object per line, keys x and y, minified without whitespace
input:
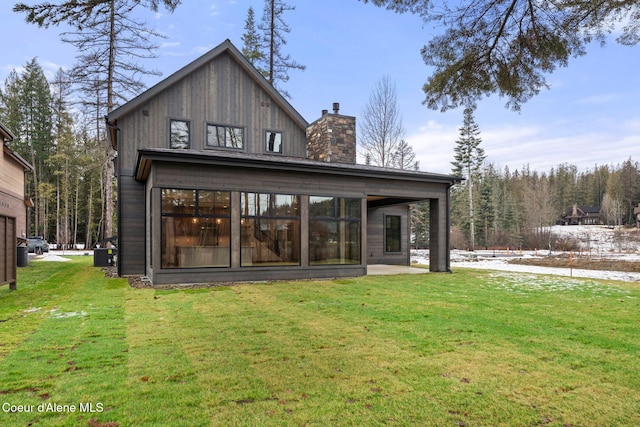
{"x":605,"y":98}
{"x":541,"y":148}
{"x":169,"y":44}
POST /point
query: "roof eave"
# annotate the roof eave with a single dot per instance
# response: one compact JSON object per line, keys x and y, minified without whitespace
{"x":147,"y":156}
{"x":15,"y":156}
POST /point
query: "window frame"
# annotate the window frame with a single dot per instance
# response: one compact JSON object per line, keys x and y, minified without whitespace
{"x":197,"y":214}
{"x":271,"y":215}
{"x":266,"y":141}
{"x":343,"y":220}
{"x":171,"y":142}
{"x":387,"y":229}
{"x":225,"y":130}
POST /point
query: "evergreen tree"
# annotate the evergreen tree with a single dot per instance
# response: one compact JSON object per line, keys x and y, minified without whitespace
{"x":111,"y":44}
{"x":486,"y":207}
{"x":64,"y":162}
{"x":273,"y":29}
{"x":468,"y":160}
{"x":404,"y":157}
{"x":26,"y":106}
{"x":252,"y":46}
{"x":508,"y":47}
{"x":420,"y":225}
{"x":630,"y":177}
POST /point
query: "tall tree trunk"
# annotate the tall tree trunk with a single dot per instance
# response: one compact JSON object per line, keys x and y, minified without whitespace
{"x":472,"y":228}
{"x":272,"y":38}
{"x":108,"y":182}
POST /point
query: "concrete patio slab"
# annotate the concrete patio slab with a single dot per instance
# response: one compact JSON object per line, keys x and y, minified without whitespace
{"x":381,"y":270}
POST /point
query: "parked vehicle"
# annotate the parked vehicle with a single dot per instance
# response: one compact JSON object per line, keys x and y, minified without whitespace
{"x":37,"y":245}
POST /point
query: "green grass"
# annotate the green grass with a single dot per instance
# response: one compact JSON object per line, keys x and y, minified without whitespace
{"x":473,"y":348}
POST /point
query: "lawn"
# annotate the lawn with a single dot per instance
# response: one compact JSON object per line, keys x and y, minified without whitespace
{"x":472,"y":348}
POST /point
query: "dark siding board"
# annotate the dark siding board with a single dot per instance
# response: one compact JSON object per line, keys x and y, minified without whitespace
{"x":228,"y":178}
{"x":187,"y":276}
{"x":131,"y":251}
{"x":439,"y":256}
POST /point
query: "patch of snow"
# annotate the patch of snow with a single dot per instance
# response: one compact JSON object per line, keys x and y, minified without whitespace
{"x":594,"y":240}
{"x":48,"y":256}
{"x":65,"y":315}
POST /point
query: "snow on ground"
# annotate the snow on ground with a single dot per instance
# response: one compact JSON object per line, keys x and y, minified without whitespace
{"x":50,"y":256}
{"x":594,"y":240}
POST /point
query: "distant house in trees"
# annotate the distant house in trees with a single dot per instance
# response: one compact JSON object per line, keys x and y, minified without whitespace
{"x":13,"y":207}
{"x":583,"y":215}
{"x":220,"y":179}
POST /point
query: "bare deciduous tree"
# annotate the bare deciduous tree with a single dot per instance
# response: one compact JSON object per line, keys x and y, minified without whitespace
{"x":381,"y":130}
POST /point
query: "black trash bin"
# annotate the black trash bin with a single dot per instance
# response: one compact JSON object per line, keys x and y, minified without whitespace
{"x":22,"y":256}
{"x":103,"y":257}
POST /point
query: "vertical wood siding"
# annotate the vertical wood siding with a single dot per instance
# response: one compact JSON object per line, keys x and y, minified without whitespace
{"x":219,"y":92}
{"x":376,"y":253}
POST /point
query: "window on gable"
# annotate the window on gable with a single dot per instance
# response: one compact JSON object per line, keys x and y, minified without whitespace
{"x":273,"y":142}
{"x":225,"y":136}
{"x":179,"y":134}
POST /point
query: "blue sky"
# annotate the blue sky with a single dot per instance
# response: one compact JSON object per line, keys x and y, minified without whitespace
{"x":589,"y":117}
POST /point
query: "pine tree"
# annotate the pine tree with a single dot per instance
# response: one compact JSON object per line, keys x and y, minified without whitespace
{"x":404,"y":157}
{"x":111,"y":44}
{"x":420,"y":225}
{"x":486,"y":212}
{"x":26,"y":107}
{"x":273,"y":30}
{"x":468,"y":160}
{"x":252,"y":47}
{"x":508,"y":47}
{"x":64,"y":162}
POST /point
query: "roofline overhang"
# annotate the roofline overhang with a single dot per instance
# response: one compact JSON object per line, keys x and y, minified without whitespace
{"x":7,"y":135}
{"x":15,"y":156}
{"x":146,"y":157}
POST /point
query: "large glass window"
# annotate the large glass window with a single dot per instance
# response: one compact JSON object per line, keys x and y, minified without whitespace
{"x":392,"y":233}
{"x":273,"y":142}
{"x":334,"y":230}
{"x":224,"y":136}
{"x":179,"y":134}
{"x":196,"y":228}
{"x":270,"y":229}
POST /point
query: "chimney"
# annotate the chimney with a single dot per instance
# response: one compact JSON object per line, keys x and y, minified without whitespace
{"x":332,"y":138}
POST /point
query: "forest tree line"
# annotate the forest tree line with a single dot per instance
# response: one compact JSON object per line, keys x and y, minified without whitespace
{"x":66,"y":148}
{"x":515,"y":208}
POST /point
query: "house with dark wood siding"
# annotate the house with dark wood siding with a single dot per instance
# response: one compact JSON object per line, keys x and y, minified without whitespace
{"x":220,"y":179}
{"x":583,"y":215}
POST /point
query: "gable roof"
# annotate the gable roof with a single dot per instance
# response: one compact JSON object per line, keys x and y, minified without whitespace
{"x":224,"y":47}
